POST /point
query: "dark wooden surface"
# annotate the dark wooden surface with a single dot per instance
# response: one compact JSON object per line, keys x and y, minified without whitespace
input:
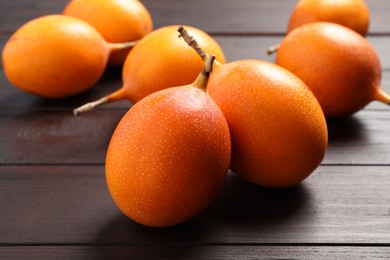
{"x":54,"y":203}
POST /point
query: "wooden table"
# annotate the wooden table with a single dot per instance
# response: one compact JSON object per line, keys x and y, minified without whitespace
{"x":54,"y":203}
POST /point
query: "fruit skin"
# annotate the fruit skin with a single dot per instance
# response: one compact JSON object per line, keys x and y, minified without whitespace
{"x":55,"y":56}
{"x":278,"y":131}
{"x":117,"y":21}
{"x":161,"y":60}
{"x":337,"y":64}
{"x":353,"y":14}
{"x":168,"y":157}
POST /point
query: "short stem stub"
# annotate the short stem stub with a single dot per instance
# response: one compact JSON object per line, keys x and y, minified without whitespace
{"x":382,"y":96}
{"x":89,"y":106}
{"x":120,"y":94}
{"x":273,"y":49}
{"x":122,"y":45}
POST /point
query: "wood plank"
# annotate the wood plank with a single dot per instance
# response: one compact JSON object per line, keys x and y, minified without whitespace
{"x":360,"y":139}
{"x":265,"y":17}
{"x":57,"y":137}
{"x":61,"y":205}
{"x":217,"y":16}
{"x":196,"y":252}
{"x":14,"y":14}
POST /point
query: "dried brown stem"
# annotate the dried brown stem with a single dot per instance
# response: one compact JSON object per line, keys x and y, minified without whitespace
{"x":203,"y":77}
{"x":192,"y":42}
{"x":208,"y":68}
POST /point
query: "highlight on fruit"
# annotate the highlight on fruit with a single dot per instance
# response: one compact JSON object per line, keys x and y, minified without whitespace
{"x":159,"y":60}
{"x":169,"y":155}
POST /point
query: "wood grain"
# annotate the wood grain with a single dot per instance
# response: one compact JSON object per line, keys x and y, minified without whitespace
{"x":57,"y":137}
{"x":71,"y":205}
{"x":196,"y":252}
{"x":217,"y":16}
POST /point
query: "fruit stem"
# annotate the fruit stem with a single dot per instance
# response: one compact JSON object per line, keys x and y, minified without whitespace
{"x":121,"y":46}
{"x":120,"y":94}
{"x":273,"y":49}
{"x":382,"y":96}
{"x":89,"y":106}
{"x":203,"y":77}
{"x":192,"y":42}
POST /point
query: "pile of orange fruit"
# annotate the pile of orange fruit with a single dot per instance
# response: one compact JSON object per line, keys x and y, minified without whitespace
{"x":194,"y":115}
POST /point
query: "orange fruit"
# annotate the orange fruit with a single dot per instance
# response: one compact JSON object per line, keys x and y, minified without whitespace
{"x":117,"y":21}
{"x":339,"y":65}
{"x":169,"y":156}
{"x":160,"y":60}
{"x":55,"y":56}
{"x":278,"y":130}
{"x":353,"y":14}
